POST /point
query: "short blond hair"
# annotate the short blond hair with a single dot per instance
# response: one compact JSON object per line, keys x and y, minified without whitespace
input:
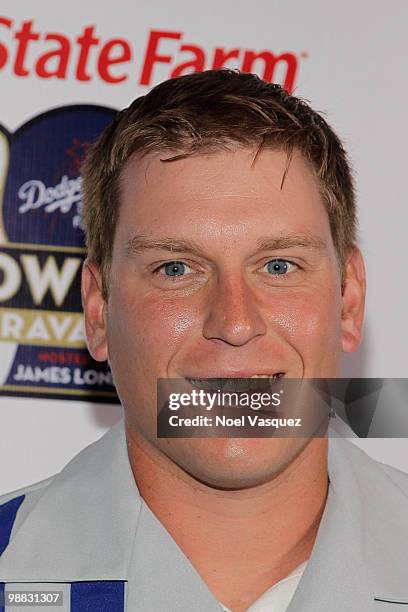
{"x":207,"y":112}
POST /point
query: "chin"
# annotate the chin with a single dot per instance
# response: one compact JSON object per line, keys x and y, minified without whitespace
{"x":237,"y":463}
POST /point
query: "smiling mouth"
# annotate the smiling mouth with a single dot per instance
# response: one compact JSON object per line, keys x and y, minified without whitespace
{"x":255,"y":383}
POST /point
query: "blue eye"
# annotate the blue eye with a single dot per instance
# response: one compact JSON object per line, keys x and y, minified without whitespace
{"x":174,"y":268}
{"x":279,"y":267}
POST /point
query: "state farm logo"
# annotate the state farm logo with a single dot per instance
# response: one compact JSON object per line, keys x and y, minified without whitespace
{"x":28,"y":51}
{"x":58,"y":198}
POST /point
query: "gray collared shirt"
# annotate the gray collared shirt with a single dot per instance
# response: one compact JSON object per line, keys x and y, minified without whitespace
{"x":89,"y":523}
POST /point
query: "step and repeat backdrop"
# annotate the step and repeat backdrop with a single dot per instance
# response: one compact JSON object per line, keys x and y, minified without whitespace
{"x":65,"y":70}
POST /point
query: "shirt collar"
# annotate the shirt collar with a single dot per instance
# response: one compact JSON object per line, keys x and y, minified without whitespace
{"x":360,"y":553}
{"x":82,"y":527}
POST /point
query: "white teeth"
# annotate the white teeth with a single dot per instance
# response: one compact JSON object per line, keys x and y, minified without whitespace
{"x":263,"y":376}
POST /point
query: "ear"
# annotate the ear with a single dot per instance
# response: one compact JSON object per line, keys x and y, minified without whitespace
{"x":94,"y":307}
{"x":353,"y":299}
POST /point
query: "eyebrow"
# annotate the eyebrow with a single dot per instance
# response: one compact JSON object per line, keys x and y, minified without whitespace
{"x":140,"y":243}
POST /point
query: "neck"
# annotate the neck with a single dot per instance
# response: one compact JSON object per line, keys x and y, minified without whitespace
{"x":261,"y":533}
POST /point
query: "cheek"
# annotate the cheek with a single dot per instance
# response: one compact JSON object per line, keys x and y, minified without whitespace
{"x":152,"y":328}
{"x":310,"y":322}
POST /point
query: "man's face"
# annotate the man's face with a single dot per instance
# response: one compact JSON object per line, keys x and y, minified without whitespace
{"x":221,"y":310}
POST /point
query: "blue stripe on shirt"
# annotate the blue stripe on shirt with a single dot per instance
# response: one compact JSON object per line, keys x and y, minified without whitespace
{"x":98,"y":596}
{"x":8,"y":513}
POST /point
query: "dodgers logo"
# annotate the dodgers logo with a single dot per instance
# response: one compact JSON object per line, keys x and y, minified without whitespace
{"x":43,"y":350}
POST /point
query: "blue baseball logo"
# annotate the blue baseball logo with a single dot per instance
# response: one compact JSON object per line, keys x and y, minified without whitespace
{"x":42,"y":249}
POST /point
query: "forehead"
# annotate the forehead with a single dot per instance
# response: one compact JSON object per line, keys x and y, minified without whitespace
{"x":224,"y":188}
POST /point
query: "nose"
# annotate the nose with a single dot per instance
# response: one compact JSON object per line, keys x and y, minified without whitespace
{"x":233,"y":314}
